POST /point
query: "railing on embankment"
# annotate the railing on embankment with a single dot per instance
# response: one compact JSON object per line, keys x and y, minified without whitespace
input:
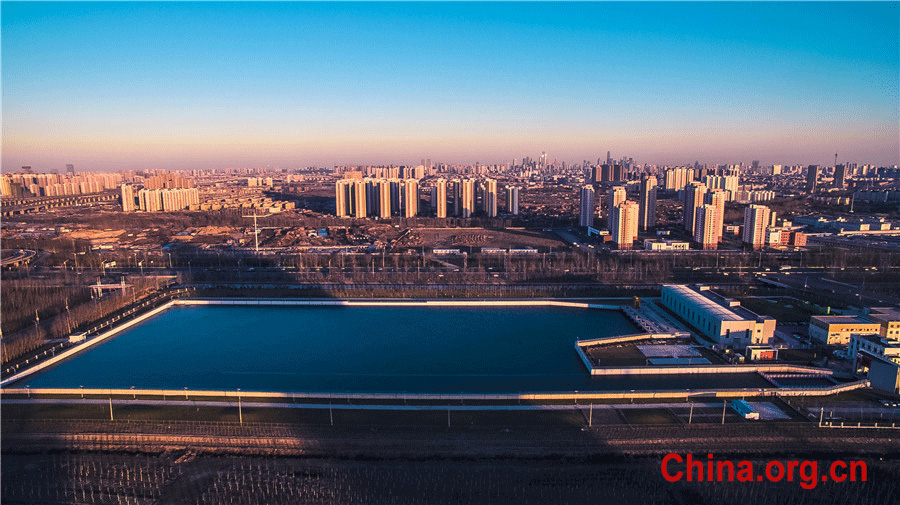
{"x":397,"y":303}
{"x":186,"y":394}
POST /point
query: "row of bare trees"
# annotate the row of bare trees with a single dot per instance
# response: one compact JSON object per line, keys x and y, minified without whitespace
{"x":60,"y":311}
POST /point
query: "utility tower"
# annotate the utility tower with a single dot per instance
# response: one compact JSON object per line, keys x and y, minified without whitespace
{"x":256,"y":229}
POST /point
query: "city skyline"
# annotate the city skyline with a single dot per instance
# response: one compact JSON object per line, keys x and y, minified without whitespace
{"x":208,"y":85}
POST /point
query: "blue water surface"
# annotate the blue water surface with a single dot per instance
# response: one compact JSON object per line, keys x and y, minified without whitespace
{"x":360,"y":349}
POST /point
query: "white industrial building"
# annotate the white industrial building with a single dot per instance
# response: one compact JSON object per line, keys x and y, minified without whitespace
{"x":721,"y":320}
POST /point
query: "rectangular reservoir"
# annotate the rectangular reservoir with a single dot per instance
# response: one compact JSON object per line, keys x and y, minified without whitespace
{"x":361,"y":349}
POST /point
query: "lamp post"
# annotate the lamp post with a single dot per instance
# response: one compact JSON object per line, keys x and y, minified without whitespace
{"x":240,"y":410}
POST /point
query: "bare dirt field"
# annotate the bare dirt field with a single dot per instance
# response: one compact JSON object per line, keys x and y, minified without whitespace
{"x":482,"y":237}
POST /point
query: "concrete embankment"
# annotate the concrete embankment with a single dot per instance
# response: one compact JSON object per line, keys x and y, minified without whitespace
{"x":397,"y":303}
{"x":87,"y":344}
{"x":176,"y":394}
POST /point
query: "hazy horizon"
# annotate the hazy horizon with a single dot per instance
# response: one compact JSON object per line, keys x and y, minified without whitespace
{"x":117,"y":86}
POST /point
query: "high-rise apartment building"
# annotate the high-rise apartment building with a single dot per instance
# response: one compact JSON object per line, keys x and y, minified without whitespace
{"x":384,"y":199}
{"x":647,"y":217}
{"x":410,"y":198}
{"x":623,"y":224}
{"x":727,"y":183}
{"x":709,"y":219}
{"x":678,"y":178}
{"x":457,"y":198}
{"x":396,"y":192}
{"x":439,"y":198}
{"x":350,"y":198}
{"x":489,"y":199}
{"x":468,"y":198}
{"x":167,"y":200}
{"x":840,"y":172}
{"x":616,"y":195}
{"x":128,"y":198}
{"x":512,"y":200}
{"x":707,"y":230}
{"x":359,"y":198}
{"x":693,"y":199}
{"x":756,"y":220}
{"x":586,"y":207}
{"x":812,"y":174}
{"x":341,"y":198}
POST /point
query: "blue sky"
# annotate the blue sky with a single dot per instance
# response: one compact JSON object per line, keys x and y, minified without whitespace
{"x":198,"y":85}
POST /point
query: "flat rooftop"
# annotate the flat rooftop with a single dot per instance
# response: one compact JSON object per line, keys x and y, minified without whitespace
{"x":717,"y":304}
{"x":878,"y":339}
{"x":844,"y":319}
{"x":887,"y":314}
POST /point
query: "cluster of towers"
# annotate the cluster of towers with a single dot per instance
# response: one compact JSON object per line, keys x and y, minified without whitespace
{"x":158,"y":200}
{"x":624,"y":217}
{"x":726,"y":180}
{"x":384,"y":198}
{"x":31,"y":184}
{"x":704,"y":213}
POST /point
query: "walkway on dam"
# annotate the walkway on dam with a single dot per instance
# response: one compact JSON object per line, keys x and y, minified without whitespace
{"x":348,"y":406}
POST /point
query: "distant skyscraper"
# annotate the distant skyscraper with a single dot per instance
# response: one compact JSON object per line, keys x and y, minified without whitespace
{"x":616,"y":195}
{"x":623,"y":224}
{"x":439,"y":198}
{"x":812,"y":173}
{"x":489,"y":199}
{"x":70,"y":169}
{"x":756,"y":220}
{"x":608,"y":158}
{"x":840,"y":172}
{"x":693,"y":198}
{"x":26,"y":169}
{"x":586,"y":208}
{"x":127,"y":197}
{"x":647,"y":217}
{"x":512,"y":200}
